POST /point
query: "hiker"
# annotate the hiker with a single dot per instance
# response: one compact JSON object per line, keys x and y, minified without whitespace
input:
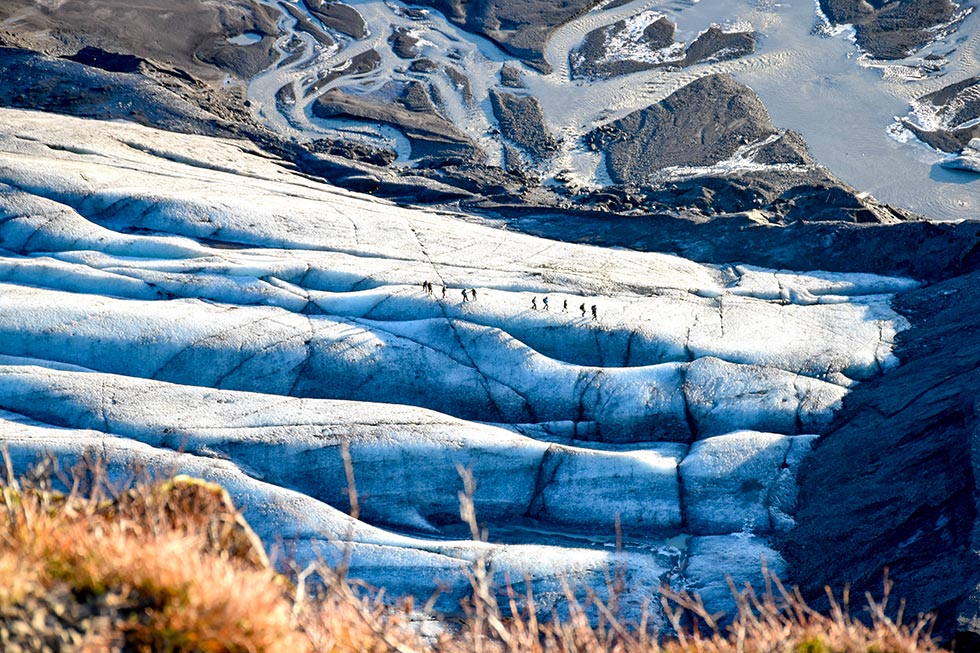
{"x":466,"y":296}
{"x":444,"y":292}
{"x":534,"y":303}
{"x":594,"y":316}
{"x":545,"y":302}
{"x":564,"y":307}
{"x":473,"y":293}
{"x":582,"y":308}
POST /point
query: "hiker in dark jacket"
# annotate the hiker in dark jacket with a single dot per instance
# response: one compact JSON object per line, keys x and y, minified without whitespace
{"x":594,"y":316}
{"x":582,"y":308}
{"x":534,"y":303}
{"x":466,"y":297}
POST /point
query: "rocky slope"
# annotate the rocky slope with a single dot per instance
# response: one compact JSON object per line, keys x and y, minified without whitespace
{"x":893,"y":483}
{"x":892,"y":30}
{"x":706,"y":122}
{"x":622,"y":48}
{"x":521,"y":28}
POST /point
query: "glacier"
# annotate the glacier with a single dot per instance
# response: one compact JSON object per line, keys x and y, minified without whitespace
{"x":194,"y":304}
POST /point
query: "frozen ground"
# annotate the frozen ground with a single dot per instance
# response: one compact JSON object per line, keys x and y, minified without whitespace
{"x":810,"y":78}
{"x":193,"y":303}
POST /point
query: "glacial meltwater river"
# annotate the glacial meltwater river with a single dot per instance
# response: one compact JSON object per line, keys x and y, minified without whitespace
{"x":813,"y":82}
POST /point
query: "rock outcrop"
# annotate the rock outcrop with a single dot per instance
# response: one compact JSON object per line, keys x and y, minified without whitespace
{"x":703,"y":123}
{"x":891,"y":30}
{"x":522,"y":121}
{"x":622,"y":48}
{"x":894,"y":484}
{"x":192,"y":34}
{"x":432,"y":137}
{"x":716,"y":44}
{"x":951,"y":116}
{"x":521,"y":28}
{"x":617,"y":50}
{"x":338,"y":16}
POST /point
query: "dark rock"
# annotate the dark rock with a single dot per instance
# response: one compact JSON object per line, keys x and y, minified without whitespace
{"x":917,"y":248}
{"x":659,"y":34}
{"x":285,"y":96}
{"x":520,"y":28}
{"x":481,"y":180}
{"x":354,"y":151}
{"x":790,"y":148}
{"x":954,"y":92}
{"x":359,"y":64}
{"x":698,"y":125}
{"x":956,"y":104}
{"x":594,"y":60}
{"x":191,"y":35}
{"x":338,"y":16}
{"x":423,"y":66}
{"x":243,"y":61}
{"x":294,"y":49}
{"x":34,"y":81}
{"x":591,"y":59}
{"x":414,"y":14}
{"x":522,"y":121}
{"x":461,"y":82}
{"x":111,"y":61}
{"x":434,"y":140}
{"x":890,"y":30}
{"x":304,"y":24}
{"x":715,"y":45}
{"x":940,"y":139}
{"x":708,"y":195}
{"x":510,"y":76}
{"x":408,"y":185}
{"x":823,"y":204}
{"x":513,"y":161}
{"x":894,"y":484}
{"x":415,"y":97}
{"x":403,"y":43}
{"x":767,"y":190}
{"x":615,"y":68}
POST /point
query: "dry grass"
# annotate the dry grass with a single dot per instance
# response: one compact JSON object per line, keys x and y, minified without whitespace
{"x":172,"y":566}
{"x":160,"y":567}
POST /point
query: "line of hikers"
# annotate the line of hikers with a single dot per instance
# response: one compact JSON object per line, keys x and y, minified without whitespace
{"x":469,"y":295}
{"x":564,"y":307}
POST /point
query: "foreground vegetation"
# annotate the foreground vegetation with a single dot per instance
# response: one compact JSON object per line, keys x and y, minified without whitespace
{"x":172,"y":566}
